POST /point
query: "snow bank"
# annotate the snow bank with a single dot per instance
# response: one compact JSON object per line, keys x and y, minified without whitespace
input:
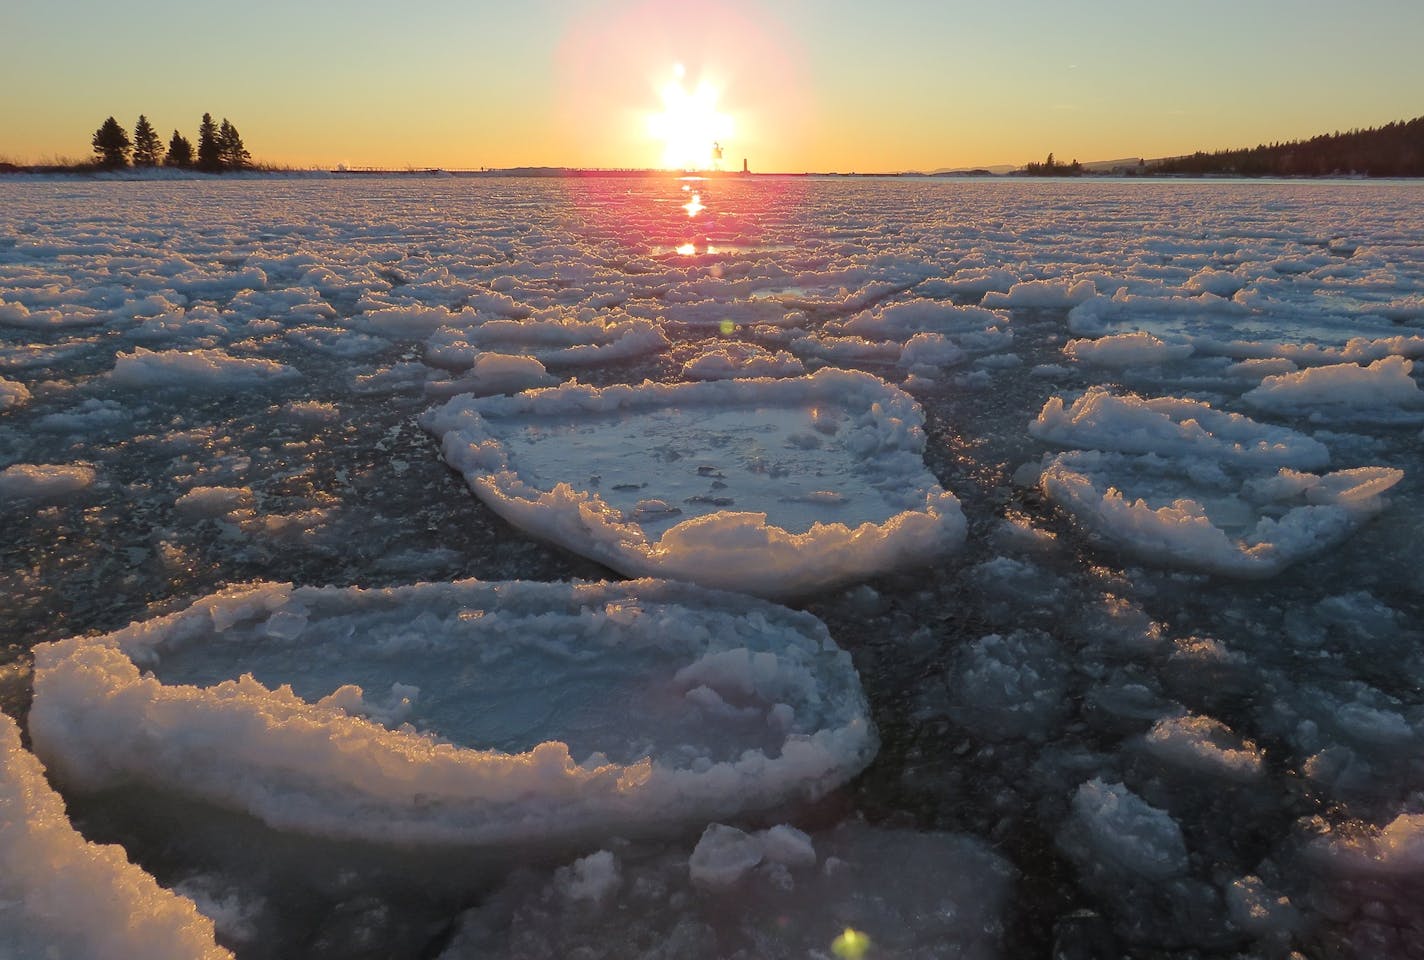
{"x":1200,"y":518}
{"x":773,"y":487}
{"x":44,"y":482}
{"x":1172,"y":427}
{"x":62,"y":896}
{"x":466,"y":713}
{"x":197,"y":369}
{"x":855,"y":891}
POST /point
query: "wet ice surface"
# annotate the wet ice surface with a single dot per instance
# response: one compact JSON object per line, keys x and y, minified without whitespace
{"x":210,"y":383}
{"x":513,"y":713}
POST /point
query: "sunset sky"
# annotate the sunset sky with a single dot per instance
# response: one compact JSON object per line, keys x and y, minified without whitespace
{"x":795,"y":85}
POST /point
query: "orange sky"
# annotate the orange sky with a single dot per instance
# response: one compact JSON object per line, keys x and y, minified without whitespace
{"x":828,"y":85}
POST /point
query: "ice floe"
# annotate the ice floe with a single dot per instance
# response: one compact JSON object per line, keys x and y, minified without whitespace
{"x":726,"y":361}
{"x":556,"y":340}
{"x":12,"y":394}
{"x":62,"y":896}
{"x":44,"y":482}
{"x":772,"y":487}
{"x":1172,"y":427}
{"x":1383,"y":391}
{"x":1209,"y":519}
{"x":200,"y":369}
{"x":467,"y":713}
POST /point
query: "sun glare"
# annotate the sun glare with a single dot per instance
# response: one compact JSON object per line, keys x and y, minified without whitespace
{"x":690,"y":126}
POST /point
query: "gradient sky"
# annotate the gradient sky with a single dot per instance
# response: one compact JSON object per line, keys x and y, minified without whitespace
{"x":844,"y":85}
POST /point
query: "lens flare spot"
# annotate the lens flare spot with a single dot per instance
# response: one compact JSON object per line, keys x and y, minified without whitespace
{"x":728,"y":328}
{"x":851,"y":945}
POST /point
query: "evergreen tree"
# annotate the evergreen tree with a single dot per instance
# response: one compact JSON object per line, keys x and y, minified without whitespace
{"x":111,"y":144}
{"x":231,"y":153}
{"x":180,"y":152}
{"x":209,"y":157}
{"x":146,"y":145}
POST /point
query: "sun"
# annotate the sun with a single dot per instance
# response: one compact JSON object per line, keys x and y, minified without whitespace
{"x":690,"y":126}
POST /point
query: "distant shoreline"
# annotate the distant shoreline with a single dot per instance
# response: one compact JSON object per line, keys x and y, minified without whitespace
{"x":165,"y":175}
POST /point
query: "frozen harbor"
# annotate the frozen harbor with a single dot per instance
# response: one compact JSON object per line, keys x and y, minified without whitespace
{"x":1095,"y":506}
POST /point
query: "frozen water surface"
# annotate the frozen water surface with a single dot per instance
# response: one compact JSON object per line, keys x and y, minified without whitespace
{"x":776,"y":488}
{"x":1169,"y":671}
{"x":462,"y":713}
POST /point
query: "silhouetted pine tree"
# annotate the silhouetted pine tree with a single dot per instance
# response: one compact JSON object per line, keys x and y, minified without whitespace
{"x":231,"y":153}
{"x":209,"y":153}
{"x":180,"y":152}
{"x":146,"y":145}
{"x":111,"y":144}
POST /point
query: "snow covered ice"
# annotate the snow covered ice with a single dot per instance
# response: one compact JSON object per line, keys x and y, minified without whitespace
{"x":1098,"y":503}
{"x":772,"y":487}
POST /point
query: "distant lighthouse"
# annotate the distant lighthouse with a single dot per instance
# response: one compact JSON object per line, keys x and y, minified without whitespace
{"x":744,"y":165}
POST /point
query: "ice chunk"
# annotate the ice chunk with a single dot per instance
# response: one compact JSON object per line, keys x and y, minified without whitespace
{"x":13,"y":394}
{"x":213,"y":501}
{"x":1384,"y":388}
{"x":199,"y":369}
{"x":1127,"y":350}
{"x":496,"y":373}
{"x":1010,"y":687}
{"x":724,"y":361}
{"x":747,"y":463}
{"x":1113,"y":830}
{"x":1172,"y":427}
{"x":62,"y":896}
{"x":595,"y":878}
{"x":1396,"y":851}
{"x":900,"y":321}
{"x":1194,"y":515}
{"x":527,"y":711}
{"x":1043,"y":294}
{"x":554,"y":339}
{"x":44,"y":482}
{"x":1205,"y":746}
{"x":723,"y":857}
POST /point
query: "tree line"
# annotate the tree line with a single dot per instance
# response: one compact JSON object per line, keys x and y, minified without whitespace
{"x":220,"y":147}
{"x":1394,"y":150}
{"x":1052,"y":168}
